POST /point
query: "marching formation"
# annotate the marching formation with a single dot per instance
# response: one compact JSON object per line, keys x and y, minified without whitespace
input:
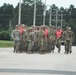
{"x":41,"y":39}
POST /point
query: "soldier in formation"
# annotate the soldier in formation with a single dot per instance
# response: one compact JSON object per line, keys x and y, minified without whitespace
{"x":59,"y":34}
{"x":52,"y":38}
{"x":68,"y":36}
{"x":16,"y":37}
{"x":40,"y":39}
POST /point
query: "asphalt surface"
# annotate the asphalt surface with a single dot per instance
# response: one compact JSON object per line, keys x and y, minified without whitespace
{"x":37,"y":64}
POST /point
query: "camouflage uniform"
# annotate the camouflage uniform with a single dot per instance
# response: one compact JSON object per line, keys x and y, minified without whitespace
{"x":41,"y":43}
{"x":22,"y":41}
{"x":45,"y":40}
{"x":36,"y":40}
{"x":30,"y":38}
{"x":24,"y":44}
{"x":68,"y":36}
{"x":16,"y":37}
{"x":25,"y":40}
{"x":59,"y":34}
{"x":52,"y":39}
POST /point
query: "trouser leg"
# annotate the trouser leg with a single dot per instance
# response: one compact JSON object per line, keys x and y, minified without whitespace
{"x":58,"y":45}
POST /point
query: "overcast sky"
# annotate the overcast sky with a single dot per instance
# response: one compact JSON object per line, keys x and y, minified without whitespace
{"x":59,"y":3}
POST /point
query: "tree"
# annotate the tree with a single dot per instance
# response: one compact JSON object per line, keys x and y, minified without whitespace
{"x":6,"y":14}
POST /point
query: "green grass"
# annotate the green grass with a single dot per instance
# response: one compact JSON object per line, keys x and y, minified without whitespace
{"x":6,"y":43}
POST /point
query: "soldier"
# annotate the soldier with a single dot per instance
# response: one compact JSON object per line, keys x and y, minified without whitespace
{"x":59,"y":34}
{"x":68,"y":36}
{"x":22,"y":31}
{"x":52,"y":39}
{"x":41,"y":40}
{"x":30,"y":37}
{"x":36,"y":42}
{"x":16,"y":37}
{"x":23,"y":41}
{"x":45,"y":39}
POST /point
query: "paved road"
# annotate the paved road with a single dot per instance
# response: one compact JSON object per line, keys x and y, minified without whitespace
{"x":36,"y":64}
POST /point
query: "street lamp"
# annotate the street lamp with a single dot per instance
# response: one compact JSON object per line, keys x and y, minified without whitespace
{"x":44,"y":13}
{"x":50,"y":15}
{"x":56,"y":18}
{"x":34,"y":19}
{"x":61,"y":19}
{"x":19,"y":17}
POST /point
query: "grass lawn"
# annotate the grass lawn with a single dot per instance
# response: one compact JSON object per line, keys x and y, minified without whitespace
{"x":6,"y":43}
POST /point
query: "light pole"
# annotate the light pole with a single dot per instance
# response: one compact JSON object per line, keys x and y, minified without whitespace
{"x":50,"y":15}
{"x":19,"y":17}
{"x":44,"y":13}
{"x":34,"y":19}
{"x":61,"y":19}
{"x":56,"y":18}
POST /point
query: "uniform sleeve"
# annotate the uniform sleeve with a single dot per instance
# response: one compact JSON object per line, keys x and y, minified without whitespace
{"x":63,"y":37}
{"x":12,"y":34}
{"x":33,"y":36}
{"x":25,"y":36}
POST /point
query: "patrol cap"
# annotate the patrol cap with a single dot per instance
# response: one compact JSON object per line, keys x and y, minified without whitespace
{"x":67,"y":27}
{"x":30,"y":28}
{"x":58,"y":27}
{"x":44,"y":26}
{"x":53,"y":27}
{"x":23,"y":24}
{"x":16,"y":26}
{"x":50,"y":26}
{"x":41,"y":26}
{"x":33,"y":26}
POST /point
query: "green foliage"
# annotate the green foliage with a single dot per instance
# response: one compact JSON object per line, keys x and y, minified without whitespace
{"x":4,"y":35}
{"x":6,"y":43}
{"x":6,"y":14}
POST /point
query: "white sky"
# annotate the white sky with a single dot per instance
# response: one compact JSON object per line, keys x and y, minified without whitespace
{"x":59,"y":3}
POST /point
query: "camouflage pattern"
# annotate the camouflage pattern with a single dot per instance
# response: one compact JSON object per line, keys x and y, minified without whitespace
{"x":36,"y":42}
{"x":16,"y":38}
{"x":39,"y":40}
{"x":52,"y":39}
{"x":30,"y":38}
{"x":58,"y":44}
{"x":68,"y":36}
{"x":22,"y":41}
{"x":59,"y":38}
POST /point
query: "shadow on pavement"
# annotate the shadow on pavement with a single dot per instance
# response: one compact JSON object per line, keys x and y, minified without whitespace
{"x":37,"y":71}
